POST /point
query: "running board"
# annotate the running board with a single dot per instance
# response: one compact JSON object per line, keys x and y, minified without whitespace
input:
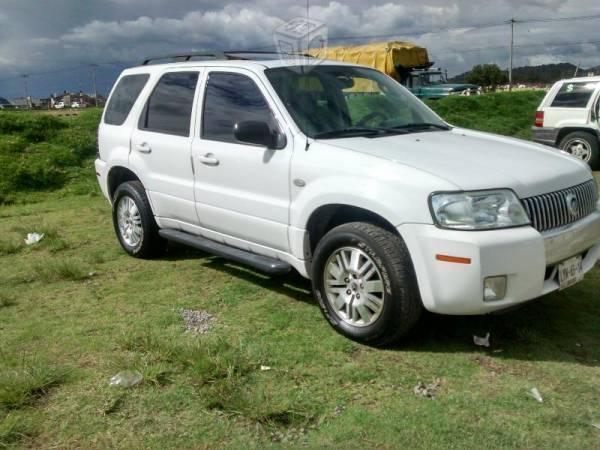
{"x":260,"y":262}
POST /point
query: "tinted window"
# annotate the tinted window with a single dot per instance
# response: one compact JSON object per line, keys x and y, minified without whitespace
{"x":327,"y":98}
{"x":123,"y":97}
{"x":231,"y":98}
{"x":574,"y":95}
{"x":169,"y":108}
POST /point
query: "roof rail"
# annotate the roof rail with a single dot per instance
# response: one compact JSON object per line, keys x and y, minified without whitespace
{"x":218,"y":55}
{"x":186,"y":57}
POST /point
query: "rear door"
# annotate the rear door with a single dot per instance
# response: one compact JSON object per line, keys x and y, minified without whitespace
{"x":161,"y":145}
{"x":571,"y":105}
{"x":242,"y":190}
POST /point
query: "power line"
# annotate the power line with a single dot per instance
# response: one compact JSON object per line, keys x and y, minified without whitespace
{"x":548,"y":44}
{"x":559,"y":19}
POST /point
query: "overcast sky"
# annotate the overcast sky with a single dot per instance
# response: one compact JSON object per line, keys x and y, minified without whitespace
{"x":49,"y":36}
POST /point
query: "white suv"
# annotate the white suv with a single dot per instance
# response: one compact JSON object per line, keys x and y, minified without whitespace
{"x":337,"y":171}
{"x":569,"y":118}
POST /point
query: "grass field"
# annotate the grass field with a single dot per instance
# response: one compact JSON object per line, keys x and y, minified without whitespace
{"x":75,"y":310}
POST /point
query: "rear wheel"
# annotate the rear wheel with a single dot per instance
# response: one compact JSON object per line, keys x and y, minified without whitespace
{"x":582,"y":145}
{"x":134,"y":222}
{"x":364,"y":281}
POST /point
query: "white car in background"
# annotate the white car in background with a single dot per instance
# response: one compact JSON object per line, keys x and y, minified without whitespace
{"x":59,"y":105}
{"x":569,"y":118}
{"x":339,"y":172}
{"x":75,"y":105}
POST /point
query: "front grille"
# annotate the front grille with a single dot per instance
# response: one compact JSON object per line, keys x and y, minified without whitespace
{"x":553,"y":210}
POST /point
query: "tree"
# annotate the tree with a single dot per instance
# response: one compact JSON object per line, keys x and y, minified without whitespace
{"x":487,"y":75}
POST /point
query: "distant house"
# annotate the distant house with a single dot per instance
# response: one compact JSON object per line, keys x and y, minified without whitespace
{"x":20,"y":103}
{"x":82,"y":100}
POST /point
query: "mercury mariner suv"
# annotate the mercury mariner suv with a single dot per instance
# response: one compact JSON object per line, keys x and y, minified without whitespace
{"x":337,"y":171}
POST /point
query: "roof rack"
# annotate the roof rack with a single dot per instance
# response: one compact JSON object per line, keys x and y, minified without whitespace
{"x":227,"y":55}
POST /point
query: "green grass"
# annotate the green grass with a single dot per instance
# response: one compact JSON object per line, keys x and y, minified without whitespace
{"x":75,"y":310}
{"x":511,"y":114}
{"x":40,"y":153}
{"x":63,"y":334}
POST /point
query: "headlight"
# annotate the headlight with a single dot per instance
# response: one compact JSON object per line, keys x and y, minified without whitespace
{"x":478,"y":210}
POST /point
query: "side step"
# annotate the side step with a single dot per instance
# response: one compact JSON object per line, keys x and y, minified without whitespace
{"x":262,"y":263}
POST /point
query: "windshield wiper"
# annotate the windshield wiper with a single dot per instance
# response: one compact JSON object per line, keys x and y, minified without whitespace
{"x":419,"y":126}
{"x":350,"y":131}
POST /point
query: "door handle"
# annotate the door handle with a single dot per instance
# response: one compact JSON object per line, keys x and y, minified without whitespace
{"x":144,"y":147}
{"x":208,"y":159}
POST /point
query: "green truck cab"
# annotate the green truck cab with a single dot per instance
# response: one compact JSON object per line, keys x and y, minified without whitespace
{"x":432,"y":84}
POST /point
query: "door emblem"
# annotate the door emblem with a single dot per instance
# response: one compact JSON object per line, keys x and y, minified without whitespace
{"x":572,"y":204}
{"x":299,"y":182}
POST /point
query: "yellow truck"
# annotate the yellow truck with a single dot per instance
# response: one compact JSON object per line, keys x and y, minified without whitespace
{"x":404,"y":61}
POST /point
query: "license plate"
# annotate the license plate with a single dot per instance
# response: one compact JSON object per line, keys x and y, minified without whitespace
{"x":570,"y":272}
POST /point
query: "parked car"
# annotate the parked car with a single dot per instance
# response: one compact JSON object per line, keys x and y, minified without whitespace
{"x":59,"y":105}
{"x":282,"y":164}
{"x":569,"y":118}
{"x":75,"y":105}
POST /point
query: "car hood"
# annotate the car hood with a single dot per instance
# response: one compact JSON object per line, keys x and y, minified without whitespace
{"x":473,"y":160}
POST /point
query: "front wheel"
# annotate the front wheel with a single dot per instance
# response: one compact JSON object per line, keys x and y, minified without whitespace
{"x":365,"y":284}
{"x":582,"y":145}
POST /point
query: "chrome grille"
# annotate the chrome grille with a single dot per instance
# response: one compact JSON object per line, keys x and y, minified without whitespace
{"x":548,"y":211}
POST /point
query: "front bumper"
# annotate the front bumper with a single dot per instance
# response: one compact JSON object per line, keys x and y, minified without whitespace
{"x":527,"y":257}
{"x":545,"y":135}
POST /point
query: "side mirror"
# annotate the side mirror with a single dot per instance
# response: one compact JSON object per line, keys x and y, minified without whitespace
{"x":259,"y":133}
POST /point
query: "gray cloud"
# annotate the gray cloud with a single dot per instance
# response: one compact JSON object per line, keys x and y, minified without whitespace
{"x":44,"y":36}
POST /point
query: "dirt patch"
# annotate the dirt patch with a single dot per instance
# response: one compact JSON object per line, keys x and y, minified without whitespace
{"x":197,"y":321}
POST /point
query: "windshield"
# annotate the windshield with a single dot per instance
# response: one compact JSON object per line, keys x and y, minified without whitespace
{"x":329,"y":101}
{"x":433,"y":78}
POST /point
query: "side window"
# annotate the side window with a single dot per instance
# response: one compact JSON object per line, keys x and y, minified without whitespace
{"x":231,"y":98}
{"x":123,"y":97}
{"x":573,"y":95}
{"x":169,"y":108}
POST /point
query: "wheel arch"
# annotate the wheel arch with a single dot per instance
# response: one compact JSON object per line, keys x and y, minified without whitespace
{"x":328,"y":216}
{"x":118,"y":175}
{"x":563,"y":132}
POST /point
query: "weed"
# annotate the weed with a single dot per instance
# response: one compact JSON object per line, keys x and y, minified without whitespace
{"x":26,"y":383}
{"x":14,"y":428}
{"x":6,"y":301}
{"x":60,"y":269}
{"x":10,"y":247}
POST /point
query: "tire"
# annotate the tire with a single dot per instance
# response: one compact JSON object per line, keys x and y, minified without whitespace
{"x":584,"y":144}
{"x":131,"y":196}
{"x":395,"y":310}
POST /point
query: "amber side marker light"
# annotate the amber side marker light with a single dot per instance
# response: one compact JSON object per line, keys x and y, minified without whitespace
{"x":453,"y":259}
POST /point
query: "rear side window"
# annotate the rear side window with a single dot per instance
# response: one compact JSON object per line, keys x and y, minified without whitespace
{"x":123,"y":97}
{"x":232,"y":98}
{"x":574,"y":95}
{"x":169,"y":108}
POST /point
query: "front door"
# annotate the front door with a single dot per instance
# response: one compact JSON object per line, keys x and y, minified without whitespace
{"x":242,"y":190}
{"x":161,"y":146}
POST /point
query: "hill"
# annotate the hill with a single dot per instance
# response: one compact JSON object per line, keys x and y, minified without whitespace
{"x":543,"y":74}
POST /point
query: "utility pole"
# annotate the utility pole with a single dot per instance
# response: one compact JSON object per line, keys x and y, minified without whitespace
{"x":512,"y":44}
{"x":26,"y":88}
{"x":94,"y":83}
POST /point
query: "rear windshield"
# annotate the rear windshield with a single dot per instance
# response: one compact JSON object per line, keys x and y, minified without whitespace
{"x":123,"y":97}
{"x":574,"y":95}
